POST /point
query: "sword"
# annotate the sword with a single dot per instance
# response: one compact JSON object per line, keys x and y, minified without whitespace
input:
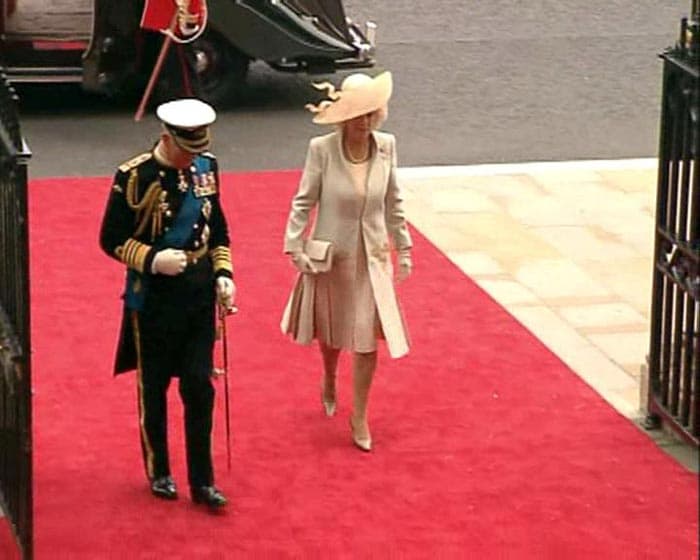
{"x":223,"y":313}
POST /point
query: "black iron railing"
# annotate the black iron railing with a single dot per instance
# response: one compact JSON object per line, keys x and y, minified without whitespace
{"x":674,"y":353}
{"x":15,"y":344}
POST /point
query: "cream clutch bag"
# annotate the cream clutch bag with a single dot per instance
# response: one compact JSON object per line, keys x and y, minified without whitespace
{"x":320,"y":253}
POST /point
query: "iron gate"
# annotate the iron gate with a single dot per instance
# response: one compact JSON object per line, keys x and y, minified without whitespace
{"x":674,"y":352}
{"x":15,"y":370}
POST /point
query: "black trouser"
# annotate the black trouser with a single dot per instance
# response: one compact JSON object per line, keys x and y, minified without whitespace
{"x":175,"y":337}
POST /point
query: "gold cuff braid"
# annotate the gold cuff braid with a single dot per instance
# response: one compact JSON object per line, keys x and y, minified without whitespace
{"x":221,"y":259}
{"x":133,"y":254}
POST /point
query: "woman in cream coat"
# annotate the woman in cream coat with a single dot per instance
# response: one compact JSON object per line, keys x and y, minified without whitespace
{"x":350,"y":178}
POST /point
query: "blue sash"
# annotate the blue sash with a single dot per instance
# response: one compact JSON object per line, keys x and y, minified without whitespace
{"x":174,"y":238}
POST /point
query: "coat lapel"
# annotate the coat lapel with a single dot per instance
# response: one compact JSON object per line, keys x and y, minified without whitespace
{"x":340,"y":157}
{"x":375,"y":174}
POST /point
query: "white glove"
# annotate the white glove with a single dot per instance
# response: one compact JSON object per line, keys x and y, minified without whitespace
{"x":405,"y":265}
{"x":169,"y":261}
{"x":303,"y":263}
{"x":225,"y":292}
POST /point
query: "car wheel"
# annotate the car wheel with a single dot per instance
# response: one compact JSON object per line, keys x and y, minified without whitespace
{"x":221,"y":68}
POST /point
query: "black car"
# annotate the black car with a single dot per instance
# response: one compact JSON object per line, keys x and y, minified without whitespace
{"x":100,"y":44}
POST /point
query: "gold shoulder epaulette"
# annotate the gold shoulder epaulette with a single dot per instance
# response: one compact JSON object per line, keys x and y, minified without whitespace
{"x":133,"y":162}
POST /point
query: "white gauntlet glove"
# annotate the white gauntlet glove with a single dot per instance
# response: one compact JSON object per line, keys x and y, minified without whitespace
{"x":225,"y":292}
{"x":169,"y":261}
{"x":303,"y":263}
{"x":405,"y":265}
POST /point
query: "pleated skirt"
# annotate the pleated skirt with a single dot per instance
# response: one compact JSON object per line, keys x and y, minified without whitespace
{"x":337,"y":307}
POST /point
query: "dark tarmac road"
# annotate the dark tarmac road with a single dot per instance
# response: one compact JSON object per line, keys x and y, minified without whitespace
{"x":475,"y":82}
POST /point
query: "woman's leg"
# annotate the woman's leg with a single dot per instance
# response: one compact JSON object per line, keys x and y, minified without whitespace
{"x":330,"y":367}
{"x":363,"y":367}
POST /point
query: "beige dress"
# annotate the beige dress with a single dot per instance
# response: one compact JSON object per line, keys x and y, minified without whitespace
{"x":358,"y":209}
{"x":345,"y":313}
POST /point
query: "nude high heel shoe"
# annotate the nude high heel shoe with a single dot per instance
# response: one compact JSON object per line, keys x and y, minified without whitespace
{"x":363,"y":443}
{"x":329,"y":405}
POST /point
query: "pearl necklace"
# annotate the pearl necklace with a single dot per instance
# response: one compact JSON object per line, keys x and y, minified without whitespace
{"x":351,"y":159}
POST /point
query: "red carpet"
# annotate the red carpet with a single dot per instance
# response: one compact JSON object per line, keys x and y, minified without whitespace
{"x":486,"y":445}
{"x":8,"y":546}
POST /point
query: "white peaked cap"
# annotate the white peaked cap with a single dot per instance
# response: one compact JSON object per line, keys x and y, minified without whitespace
{"x":186,"y":113}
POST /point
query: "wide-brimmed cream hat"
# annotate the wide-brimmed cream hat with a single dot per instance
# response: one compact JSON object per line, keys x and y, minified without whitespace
{"x":359,"y":94}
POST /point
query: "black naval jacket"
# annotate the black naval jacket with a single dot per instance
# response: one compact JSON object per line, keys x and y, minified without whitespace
{"x":153,"y":207}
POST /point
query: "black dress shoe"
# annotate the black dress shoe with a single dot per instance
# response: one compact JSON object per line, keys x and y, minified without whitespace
{"x":208,"y":495}
{"x":164,"y":487}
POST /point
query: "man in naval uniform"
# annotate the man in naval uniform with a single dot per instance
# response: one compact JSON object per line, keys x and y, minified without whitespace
{"x":164,"y":221}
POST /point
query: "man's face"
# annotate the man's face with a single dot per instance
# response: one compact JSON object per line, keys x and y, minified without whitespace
{"x":174,"y":152}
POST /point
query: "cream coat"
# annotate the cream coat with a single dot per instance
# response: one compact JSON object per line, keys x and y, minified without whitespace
{"x":327,"y":184}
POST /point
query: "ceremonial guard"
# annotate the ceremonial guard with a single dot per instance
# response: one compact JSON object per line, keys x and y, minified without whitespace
{"x":164,"y":221}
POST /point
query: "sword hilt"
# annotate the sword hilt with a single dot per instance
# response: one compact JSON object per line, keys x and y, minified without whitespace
{"x":226,"y":311}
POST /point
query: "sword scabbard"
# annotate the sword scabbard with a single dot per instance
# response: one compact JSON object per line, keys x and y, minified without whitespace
{"x":224,"y":340}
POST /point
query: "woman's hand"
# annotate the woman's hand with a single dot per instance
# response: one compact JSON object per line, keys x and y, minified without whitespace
{"x":303,"y":263}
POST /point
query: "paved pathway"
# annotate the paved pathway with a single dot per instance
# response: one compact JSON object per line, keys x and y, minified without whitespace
{"x":567,"y":248}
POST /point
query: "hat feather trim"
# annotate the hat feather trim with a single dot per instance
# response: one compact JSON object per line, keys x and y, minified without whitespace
{"x":345,"y":104}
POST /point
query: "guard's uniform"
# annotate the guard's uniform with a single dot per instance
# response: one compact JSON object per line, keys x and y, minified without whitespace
{"x":168,"y":326}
